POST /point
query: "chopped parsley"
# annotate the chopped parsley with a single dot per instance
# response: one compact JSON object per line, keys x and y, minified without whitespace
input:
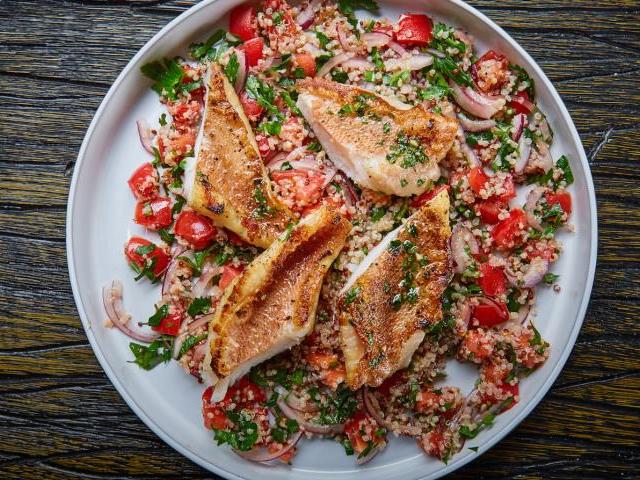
{"x":231,"y":69}
{"x":339,"y":76}
{"x":190,"y":342}
{"x":208,"y":49}
{"x":246,"y":435}
{"x":408,"y":150}
{"x":158,"y":316}
{"x":351,"y":295}
{"x":199,"y":306}
{"x":444,"y":39}
{"x":147,"y":357}
{"x":263,"y":209}
{"x":377,"y":213}
{"x":550,"y":278}
{"x":323,"y":40}
{"x":448,"y":67}
{"x":167,"y":76}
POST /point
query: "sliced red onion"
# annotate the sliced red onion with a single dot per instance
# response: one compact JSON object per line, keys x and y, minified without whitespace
{"x":342,"y":38}
{"x":533,"y":198}
{"x":461,"y":238}
{"x":467,"y":151}
{"x":170,"y":271}
{"x":312,"y":49}
{"x":547,"y":135}
{"x":112,"y":301}
{"x":465,"y":313}
{"x":524,"y":152}
{"x":519,"y":122}
{"x":296,"y":402}
{"x":304,"y":424}
{"x":276,"y":161}
{"x":533,"y":276}
{"x":334,"y":62}
{"x":373,"y":406}
{"x":263,"y":455}
{"x":372,"y":453}
{"x":144,"y":132}
{"x":480,"y":105}
{"x":358,"y":63}
{"x":200,"y":287}
{"x":351,"y":196}
{"x":241,"y":77}
{"x":201,"y":321}
{"x":523,"y":313}
{"x":526,"y":104}
{"x":544,"y":157}
{"x":375,"y":39}
{"x":269,"y":62}
{"x":435,"y":53}
{"x":305,"y":17}
{"x":413,"y":62}
{"x":475,"y":125}
{"x":399,"y":49}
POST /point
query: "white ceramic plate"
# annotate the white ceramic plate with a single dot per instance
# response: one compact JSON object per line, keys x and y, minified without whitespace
{"x":166,"y":399}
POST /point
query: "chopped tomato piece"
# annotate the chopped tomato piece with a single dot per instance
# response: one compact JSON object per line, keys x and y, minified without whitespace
{"x":492,"y":374}
{"x":490,"y":314}
{"x":508,"y":233}
{"x":243,"y":22}
{"x":183,"y":144}
{"x":490,"y":72}
{"x":391,"y":382}
{"x":184,"y":114}
{"x":214,"y":417}
{"x":252,"y":51}
{"x":144,"y":182}
{"x":562,"y":198}
{"x":170,"y":325}
{"x":477,"y":179}
{"x":251,"y":107}
{"x":195,"y":229}
{"x":489,"y":211}
{"x":306,"y":185}
{"x":334,"y":377}
{"x":510,"y":190}
{"x":492,"y":280}
{"x":521,"y":103}
{"x":477,"y":343}
{"x":542,"y":250}
{"x":426,"y":196}
{"x":415,"y":29}
{"x":434,"y":443}
{"x":229,"y":272}
{"x":322,"y":360}
{"x":135,"y":254}
{"x":359,"y":426}
{"x":154,"y":214}
{"x":306,"y":62}
{"x":427,"y":400}
{"x":246,"y":392}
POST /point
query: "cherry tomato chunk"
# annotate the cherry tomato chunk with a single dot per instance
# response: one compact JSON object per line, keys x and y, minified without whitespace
{"x":521,"y":103}
{"x":242,"y":22}
{"x":252,"y":51}
{"x":492,"y":280}
{"x":154,"y":214}
{"x":490,"y":314}
{"x":489,"y":211}
{"x":561,"y":198}
{"x":414,"y":29}
{"x":229,"y":272}
{"x":133,"y":251}
{"x":251,"y":107}
{"x":477,"y":179}
{"x":508,"y":233}
{"x":170,"y":325}
{"x":306,"y":62}
{"x":144,"y":182}
{"x":429,"y":195}
{"x":195,"y":229}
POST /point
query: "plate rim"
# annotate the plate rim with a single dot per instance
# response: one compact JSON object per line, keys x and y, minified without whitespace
{"x":202,"y":462}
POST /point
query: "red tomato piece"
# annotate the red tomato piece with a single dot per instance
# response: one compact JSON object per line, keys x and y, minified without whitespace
{"x":490,"y":314}
{"x":307,"y":185}
{"x":426,"y":196}
{"x":521,"y":103}
{"x":246,"y":392}
{"x":391,"y":382}
{"x":144,"y":182}
{"x":154,"y":214}
{"x":251,"y":107}
{"x":508,"y":233}
{"x":510,"y":190}
{"x":562,"y":198}
{"x":185,"y":114}
{"x":170,"y":325}
{"x":352,"y":429}
{"x":252,"y":51}
{"x":490,"y":72}
{"x":306,"y":62}
{"x":415,"y":29}
{"x":161,"y":257}
{"x":229,"y":272}
{"x":489,"y":211}
{"x":477,"y":179}
{"x":476,"y":342}
{"x":195,"y":229}
{"x":492,"y":280}
{"x":243,"y":22}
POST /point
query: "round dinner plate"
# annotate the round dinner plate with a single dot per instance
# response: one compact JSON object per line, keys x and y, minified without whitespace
{"x":168,"y":400}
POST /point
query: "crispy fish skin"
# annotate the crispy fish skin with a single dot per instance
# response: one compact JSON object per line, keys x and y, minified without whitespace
{"x":271,"y":306}
{"x":359,"y":144}
{"x":230,"y":184}
{"x":378,"y":339}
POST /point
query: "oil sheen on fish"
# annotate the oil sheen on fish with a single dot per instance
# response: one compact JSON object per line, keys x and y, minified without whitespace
{"x":271,"y":306}
{"x":380,"y":144}
{"x":227,"y":181}
{"x":394,"y":296}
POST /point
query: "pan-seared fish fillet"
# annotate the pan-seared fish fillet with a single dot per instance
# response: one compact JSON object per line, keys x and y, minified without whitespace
{"x":271,"y":306}
{"x":395,"y":294}
{"x":227,"y":181}
{"x":375,"y":142}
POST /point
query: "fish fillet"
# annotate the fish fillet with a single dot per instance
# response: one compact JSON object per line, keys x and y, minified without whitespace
{"x":271,"y":306}
{"x":227,"y":181}
{"x":379,"y":144}
{"x":382,"y":320}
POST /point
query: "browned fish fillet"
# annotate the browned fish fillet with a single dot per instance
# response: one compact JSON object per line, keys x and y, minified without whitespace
{"x":271,"y":306}
{"x":228,"y":181}
{"x":376,"y":143}
{"x":382,"y":312}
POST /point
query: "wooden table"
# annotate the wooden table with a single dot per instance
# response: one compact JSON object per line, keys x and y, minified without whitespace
{"x":59,"y":415}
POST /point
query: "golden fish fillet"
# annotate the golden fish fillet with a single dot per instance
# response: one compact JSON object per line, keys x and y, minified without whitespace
{"x":380,"y":144}
{"x":394,"y":295}
{"x":227,"y":182}
{"x":271,"y":306}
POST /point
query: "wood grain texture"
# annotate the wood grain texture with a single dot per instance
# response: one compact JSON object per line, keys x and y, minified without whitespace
{"x":60,"y":417}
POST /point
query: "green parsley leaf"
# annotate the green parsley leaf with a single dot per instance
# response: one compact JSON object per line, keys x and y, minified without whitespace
{"x":448,"y":67}
{"x":199,"y":51}
{"x":549,"y":278}
{"x":167,"y":75}
{"x":231,"y":69}
{"x":377,"y":213}
{"x":189,"y":343}
{"x":156,"y":318}
{"x":147,"y":357}
{"x":563,"y":164}
{"x":351,"y":295}
{"x":199,"y":305}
